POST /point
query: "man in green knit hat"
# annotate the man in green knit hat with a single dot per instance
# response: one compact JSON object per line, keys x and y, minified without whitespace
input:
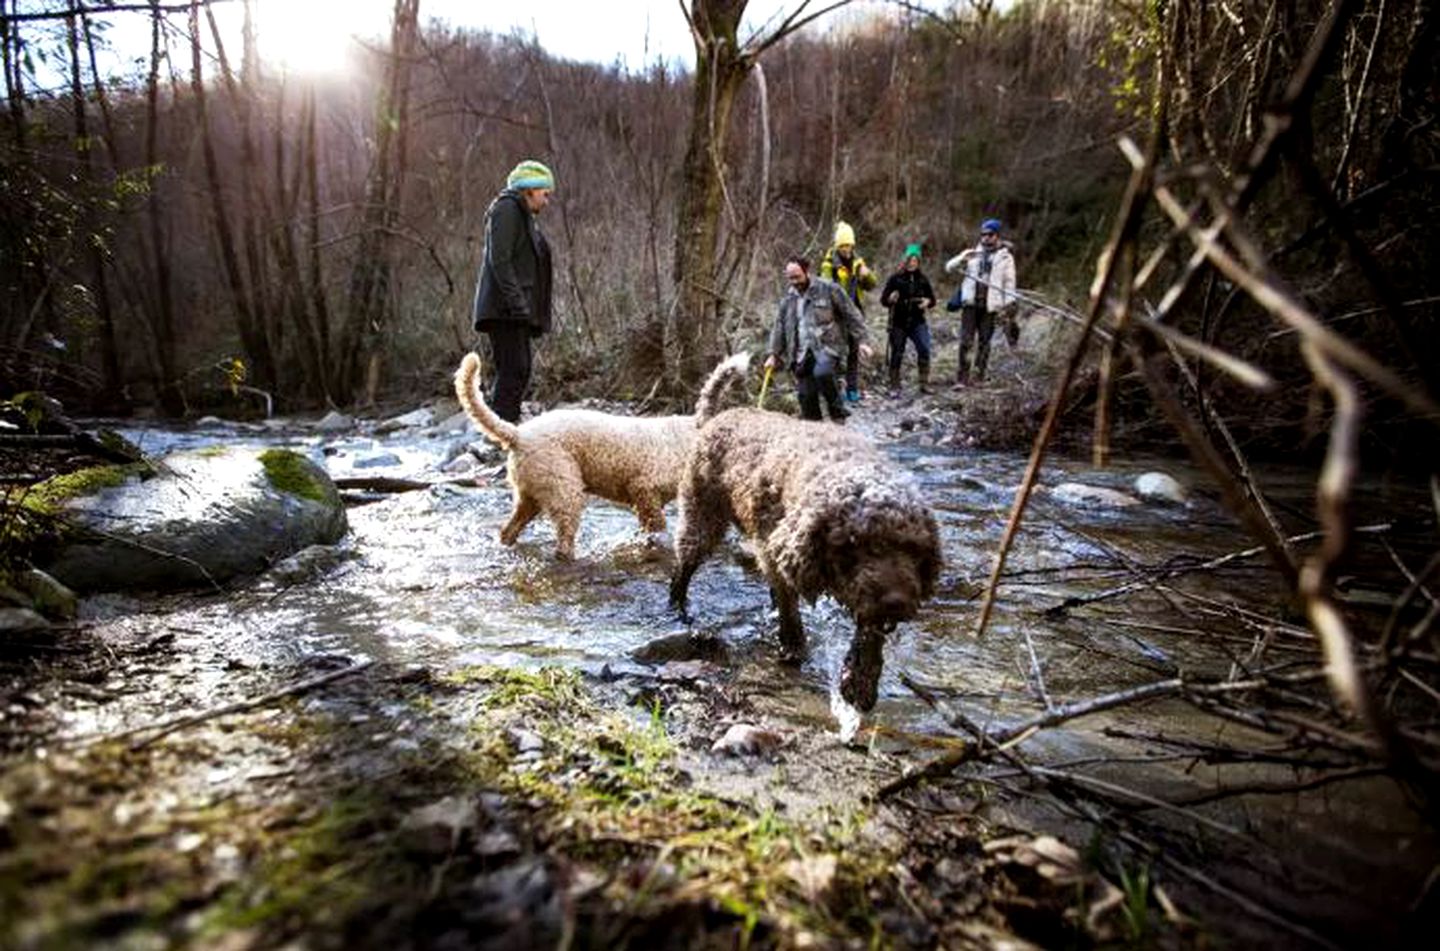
{"x":512,"y":295}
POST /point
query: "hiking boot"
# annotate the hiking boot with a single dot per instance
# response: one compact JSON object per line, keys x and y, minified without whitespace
{"x":925,"y":378}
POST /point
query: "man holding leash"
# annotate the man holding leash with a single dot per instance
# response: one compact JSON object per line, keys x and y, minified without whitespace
{"x":811,"y":335}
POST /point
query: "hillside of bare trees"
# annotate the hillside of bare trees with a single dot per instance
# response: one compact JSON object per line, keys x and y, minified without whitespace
{"x":209,"y":229}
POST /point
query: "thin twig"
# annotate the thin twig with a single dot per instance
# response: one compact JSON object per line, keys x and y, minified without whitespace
{"x":165,"y":727}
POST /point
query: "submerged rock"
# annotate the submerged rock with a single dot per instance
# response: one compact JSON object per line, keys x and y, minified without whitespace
{"x":197,"y":517}
{"x":47,"y":595}
{"x":19,"y":620}
{"x":335,"y":422}
{"x":1160,"y":487}
{"x":680,"y":646}
{"x":1077,"y":493}
{"x":413,"y":419}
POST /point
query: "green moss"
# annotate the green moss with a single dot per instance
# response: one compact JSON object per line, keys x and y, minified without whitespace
{"x":292,"y":473}
{"x":48,"y":496}
{"x":609,"y":793}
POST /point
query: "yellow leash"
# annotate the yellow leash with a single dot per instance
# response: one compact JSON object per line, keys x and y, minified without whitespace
{"x":764,"y":385}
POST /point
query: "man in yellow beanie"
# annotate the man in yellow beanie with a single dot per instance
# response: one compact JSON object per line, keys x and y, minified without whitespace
{"x":512,"y":295}
{"x":848,"y":269}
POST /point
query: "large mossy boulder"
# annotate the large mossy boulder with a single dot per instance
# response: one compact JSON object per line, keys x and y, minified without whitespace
{"x":193,"y":518}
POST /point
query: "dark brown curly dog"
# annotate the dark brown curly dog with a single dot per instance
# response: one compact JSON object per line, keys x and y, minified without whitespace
{"x":829,"y":515}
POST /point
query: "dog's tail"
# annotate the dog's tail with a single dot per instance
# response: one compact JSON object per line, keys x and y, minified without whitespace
{"x":467,"y":390}
{"x":731,"y":370}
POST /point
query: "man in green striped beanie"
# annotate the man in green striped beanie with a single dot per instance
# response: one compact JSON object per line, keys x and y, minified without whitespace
{"x":512,"y":295}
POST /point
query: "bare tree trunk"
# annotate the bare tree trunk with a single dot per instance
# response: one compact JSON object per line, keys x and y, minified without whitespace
{"x":85,"y":160}
{"x":320,"y":332}
{"x":371,"y":271}
{"x":157,"y":250}
{"x":252,"y":338}
{"x":720,"y":70}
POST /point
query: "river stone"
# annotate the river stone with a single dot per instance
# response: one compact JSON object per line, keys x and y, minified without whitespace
{"x":680,"y":646}
{"x":205,"y":516}
{"x":335,"y":422}
{"x":1077,"y":493}
{"x":379,"y":460}
{"x":1159,"y":487}
{"x":19,"y":620}
{"x":47,"y":595}
{"x":419,"y":417}
{"x":457,"y":422}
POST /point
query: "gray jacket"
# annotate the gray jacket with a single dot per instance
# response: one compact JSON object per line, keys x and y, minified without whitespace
{"x":823,"y":317}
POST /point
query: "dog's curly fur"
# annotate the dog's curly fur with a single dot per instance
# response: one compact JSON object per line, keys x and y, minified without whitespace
{"x":559,"y":456}
{"x":828,"y":514}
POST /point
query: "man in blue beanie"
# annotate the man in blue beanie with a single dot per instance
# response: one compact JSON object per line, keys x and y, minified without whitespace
{"x":987,"y":291}
{"x":512,"y":296}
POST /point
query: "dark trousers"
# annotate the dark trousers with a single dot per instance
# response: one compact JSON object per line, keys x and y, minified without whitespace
{"x":852,"y":366}
{"x":917,"y":333}
{"x":815,"y":378}
{"x":977,"y":326}
{"x":510,"y":349}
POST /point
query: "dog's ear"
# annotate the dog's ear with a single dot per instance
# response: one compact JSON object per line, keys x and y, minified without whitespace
{"x":797,"y":546}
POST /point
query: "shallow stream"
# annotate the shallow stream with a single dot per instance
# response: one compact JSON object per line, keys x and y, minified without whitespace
{"x":426,"y":583}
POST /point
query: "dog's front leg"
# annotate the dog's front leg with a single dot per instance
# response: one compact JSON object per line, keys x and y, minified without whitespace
{"x":680,"y":588}
{"x":792,"y":631}
{"x":860,"y":674}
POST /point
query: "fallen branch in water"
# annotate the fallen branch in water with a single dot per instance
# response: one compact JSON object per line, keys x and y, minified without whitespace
{"x":396,"y":484}
{"x":947,"y":762}
{"x":164,"y":728}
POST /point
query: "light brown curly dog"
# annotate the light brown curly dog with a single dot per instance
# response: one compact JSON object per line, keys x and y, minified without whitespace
{"x":559,"y":456}
{"x":828,"y":514}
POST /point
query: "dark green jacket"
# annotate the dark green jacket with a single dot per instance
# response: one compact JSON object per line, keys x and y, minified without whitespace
{"x":515,"y":275}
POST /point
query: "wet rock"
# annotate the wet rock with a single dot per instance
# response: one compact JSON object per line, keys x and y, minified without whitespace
{"x":456,"y":422}
{"x":460,"y":465}
{"x":378,"y":460}
{"x":47,"y":595}
{"x":462,"y":447}
{"x":20,"y":620}
{"x":679,"y":647}
{"x":202,"y":517}
{"x":308,"y":563}
{"x":1077,"y":493}
{"x":1160,"y":487}
{"x":335,"y":422}
{"x":524,"y":741}
{"x":746,"y":739}
{"x":411,"y":420}
{"x":436,"y":829}
{"x":498,"y":844}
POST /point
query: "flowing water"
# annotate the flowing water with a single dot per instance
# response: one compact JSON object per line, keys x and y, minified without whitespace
{"x":428,"y":584}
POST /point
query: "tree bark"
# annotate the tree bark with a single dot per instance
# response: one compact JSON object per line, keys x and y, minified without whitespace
{"x":371,"y":271}
{"x":85,"y":161}
{"x":157,"y":251}
{"x":720,"y":70}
